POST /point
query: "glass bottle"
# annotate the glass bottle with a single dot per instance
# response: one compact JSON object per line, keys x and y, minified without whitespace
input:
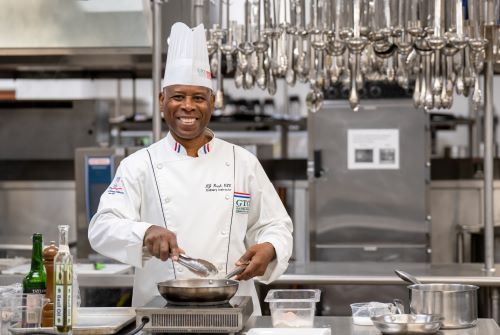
{"x":63,"y":284}
{"x":36,"y":280}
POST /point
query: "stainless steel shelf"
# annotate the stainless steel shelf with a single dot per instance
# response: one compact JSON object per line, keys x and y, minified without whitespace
{"x":383,"y":273}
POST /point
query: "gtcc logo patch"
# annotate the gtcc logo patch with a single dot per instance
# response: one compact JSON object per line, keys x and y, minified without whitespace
{"x":242,"y":202}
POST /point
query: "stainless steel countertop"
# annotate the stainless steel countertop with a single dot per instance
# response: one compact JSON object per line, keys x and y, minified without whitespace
{"x":327,"y":273}
{"x":343,"y":325}
{"x":20,"y":242}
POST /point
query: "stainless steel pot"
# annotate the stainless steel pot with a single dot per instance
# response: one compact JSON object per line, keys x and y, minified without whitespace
{"x":197,"y":291}
{"x":456,"y":303}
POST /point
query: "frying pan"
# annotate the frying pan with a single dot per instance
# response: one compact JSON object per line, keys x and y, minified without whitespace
{"x":200,"y":291}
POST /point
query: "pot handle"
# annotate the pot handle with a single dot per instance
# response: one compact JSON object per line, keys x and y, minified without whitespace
{"x":407,"y":277}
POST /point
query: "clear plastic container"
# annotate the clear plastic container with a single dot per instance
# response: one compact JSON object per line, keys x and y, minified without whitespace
{"x":24,"y":310}
{"x":363,"y":311}
{"x":292,"y":308}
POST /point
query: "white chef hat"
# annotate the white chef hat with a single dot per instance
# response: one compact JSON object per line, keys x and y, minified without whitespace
{"x":187,"y":57}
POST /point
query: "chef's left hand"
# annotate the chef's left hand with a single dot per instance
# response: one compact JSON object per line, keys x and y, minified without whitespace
{"x":257,"y":258}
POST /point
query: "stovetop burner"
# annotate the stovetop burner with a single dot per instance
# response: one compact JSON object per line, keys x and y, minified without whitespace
{"x":160,"y":302}
{"x":165,"y":317}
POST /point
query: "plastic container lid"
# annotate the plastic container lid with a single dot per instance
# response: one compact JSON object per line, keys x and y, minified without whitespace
{"x":293,"y":296}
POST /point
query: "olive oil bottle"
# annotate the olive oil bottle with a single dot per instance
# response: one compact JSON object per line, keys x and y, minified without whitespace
{"x":63,"y":285}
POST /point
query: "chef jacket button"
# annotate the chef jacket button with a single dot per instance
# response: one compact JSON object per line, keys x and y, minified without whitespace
{"x":159,"y":165}
{"x":166,"y":200}
{"x":227,"y":163}
{"x":223,"y":232}
{"x":220,"y":267}
{"x":179,"y":269}
{"x":227,"y":197}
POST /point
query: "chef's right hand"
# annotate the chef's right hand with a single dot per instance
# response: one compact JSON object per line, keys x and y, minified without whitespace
{"x":161,"y":243}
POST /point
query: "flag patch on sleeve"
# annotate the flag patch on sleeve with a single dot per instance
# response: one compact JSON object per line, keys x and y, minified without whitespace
{"x":116,"y":187}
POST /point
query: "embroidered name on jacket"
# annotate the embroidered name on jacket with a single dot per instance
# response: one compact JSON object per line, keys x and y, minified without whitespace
{"x":218,"y":187}
{"x":117,"y":187}
{"x":242,"y":202}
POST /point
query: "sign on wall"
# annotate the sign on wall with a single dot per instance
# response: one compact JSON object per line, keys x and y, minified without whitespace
{"x":375,"y":149}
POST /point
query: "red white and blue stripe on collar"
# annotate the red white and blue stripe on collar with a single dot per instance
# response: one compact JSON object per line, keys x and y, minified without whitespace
{"x":206,"y":148}
{"x":178,"y":146}
{"x":242,"y":195}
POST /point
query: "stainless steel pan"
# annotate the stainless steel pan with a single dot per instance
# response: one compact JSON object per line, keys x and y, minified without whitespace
{"x":198,"y":291}
{"x":407,"y":323}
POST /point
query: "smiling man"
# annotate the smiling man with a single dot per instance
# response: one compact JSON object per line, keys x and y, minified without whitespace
{"x":193,"y":191}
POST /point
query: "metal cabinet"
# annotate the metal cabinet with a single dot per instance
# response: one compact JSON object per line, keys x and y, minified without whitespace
{"x":368,"y":214}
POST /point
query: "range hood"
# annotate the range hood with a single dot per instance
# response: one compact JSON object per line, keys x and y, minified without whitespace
{"x":86,"y":38}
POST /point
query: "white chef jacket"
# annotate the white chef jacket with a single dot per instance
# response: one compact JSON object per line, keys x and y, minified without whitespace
{"x":218,"y":204}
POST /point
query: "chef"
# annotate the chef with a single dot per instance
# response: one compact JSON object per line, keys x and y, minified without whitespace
{"x":192,"y":192}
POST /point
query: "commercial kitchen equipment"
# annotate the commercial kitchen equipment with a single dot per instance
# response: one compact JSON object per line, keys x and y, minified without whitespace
{"x":230,"y":317}
{"x":368,"y":182}
{"x":328,"y":42}
{"x":95,"y":168}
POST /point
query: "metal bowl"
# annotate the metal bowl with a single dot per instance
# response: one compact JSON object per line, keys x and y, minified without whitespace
{"x":408,"y":323}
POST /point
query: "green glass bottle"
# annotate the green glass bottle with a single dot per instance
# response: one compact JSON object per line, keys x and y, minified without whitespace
{"x":36,"y":280}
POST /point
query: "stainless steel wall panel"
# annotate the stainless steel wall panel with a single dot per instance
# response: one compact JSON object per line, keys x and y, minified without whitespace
{"x":52,"y":130}
{"x":73,"y":24}
{"x":37,"y":206}
{"x":457,"y":205}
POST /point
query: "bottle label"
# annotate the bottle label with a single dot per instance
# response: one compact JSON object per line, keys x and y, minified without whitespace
{"x":58,"y":305}
{"x":35,"y":290}
{"x":69,"y":305}
{"x":63,"y":298}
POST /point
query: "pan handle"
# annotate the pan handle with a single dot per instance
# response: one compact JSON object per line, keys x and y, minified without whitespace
{"x":235,"y":272}
{"x":407,"y":277}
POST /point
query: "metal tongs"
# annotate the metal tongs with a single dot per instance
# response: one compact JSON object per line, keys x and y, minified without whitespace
{"x":198,"y":266}
{"x":204,"y":268}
